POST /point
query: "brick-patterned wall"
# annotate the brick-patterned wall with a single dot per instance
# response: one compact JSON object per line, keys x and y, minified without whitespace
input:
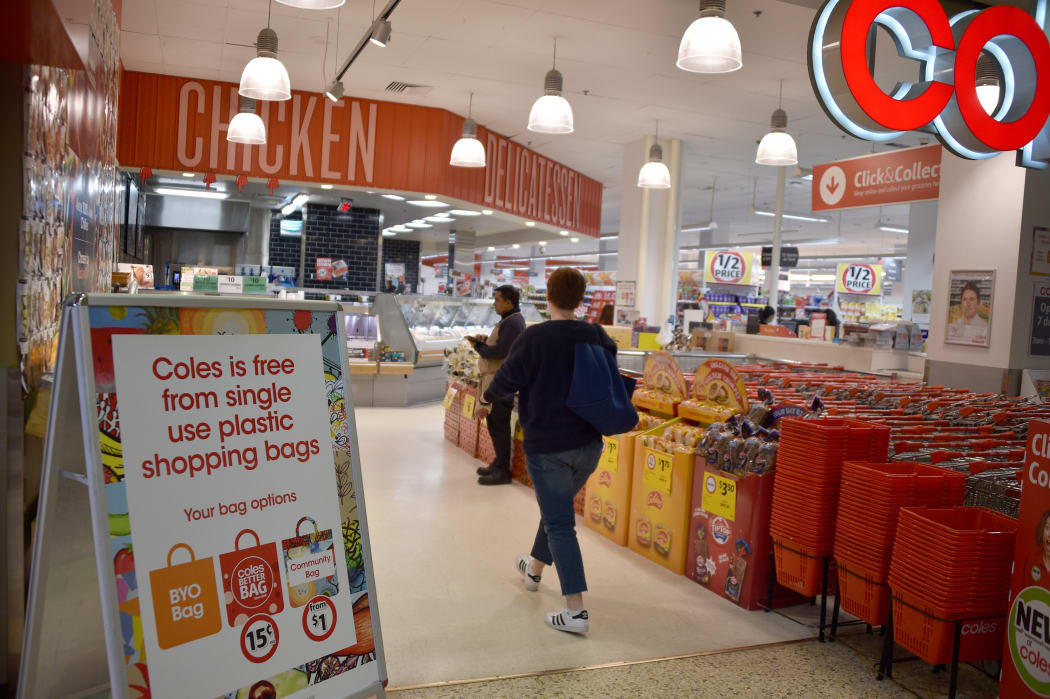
{"x":407,"y":252}
{"x":353,"y":236}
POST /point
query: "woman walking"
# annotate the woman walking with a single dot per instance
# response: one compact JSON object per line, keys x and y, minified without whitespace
{"x":561,"y":448}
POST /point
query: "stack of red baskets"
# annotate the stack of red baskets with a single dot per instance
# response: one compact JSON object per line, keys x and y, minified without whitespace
{"x":806,"y":492}
{"x":869,"y":501}
{"x":951,"y":565}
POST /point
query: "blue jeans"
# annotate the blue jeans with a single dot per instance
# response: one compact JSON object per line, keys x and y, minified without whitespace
{"x":557,"y":478}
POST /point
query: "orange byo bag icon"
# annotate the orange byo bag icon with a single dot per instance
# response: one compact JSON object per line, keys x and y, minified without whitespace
{"x":250,"y":581}
{"x":185,"y":603}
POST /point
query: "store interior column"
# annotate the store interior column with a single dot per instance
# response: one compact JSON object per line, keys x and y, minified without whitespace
{"x":649,"y":221}
{"x":461,"y":246}
{"x":985,"y":220}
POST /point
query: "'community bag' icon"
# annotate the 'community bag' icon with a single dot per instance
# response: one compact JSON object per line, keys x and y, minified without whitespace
{"x":310,"y":563}
{"x":250,"y":580}
{"x":185,"y":603}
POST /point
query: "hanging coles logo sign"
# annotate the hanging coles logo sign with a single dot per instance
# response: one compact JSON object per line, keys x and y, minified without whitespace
{"x":854,"y":278}
{"x":894,"y":177}
{"x":944,"y":99}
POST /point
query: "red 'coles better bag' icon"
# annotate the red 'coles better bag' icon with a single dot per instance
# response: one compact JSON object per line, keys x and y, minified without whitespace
{"x":250,"y":581}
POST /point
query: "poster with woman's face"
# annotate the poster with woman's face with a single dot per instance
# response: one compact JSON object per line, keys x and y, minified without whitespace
{"x":970,"y":298}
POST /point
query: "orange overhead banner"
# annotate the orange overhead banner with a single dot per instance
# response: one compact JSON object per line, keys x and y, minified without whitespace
{"x":175,"y":123}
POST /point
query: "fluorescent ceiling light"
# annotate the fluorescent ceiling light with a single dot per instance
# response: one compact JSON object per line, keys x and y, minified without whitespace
{"x":439,"y":219}
{"x":401,"y":229}
{"x":287,"y":209}
{"x":418,"y":225}
{"x":794,"y":217}
{"x":492,"y":249}
{"x":893,"y":229}
{"x":389,"y":233}
{"x":515,"y":246}
{"x":187,"y":174}
{"x":487,"y":212}
{"x":395,"y":197}
{"x":530,"y":224}
{"x":612,"y":237}
{"x":430,"y":197}
{"x":563,"y":233}
{"x":574,"y":240}
{"x":464,"y":212}
{"x":427,"y":203}
{"x":696,"y":229}
{"x":199,"y":193}
{"x":326,"y":186}
{"x":543,"y":242}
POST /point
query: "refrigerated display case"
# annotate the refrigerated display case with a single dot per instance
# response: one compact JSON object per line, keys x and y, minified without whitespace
{"x":421,"y":328}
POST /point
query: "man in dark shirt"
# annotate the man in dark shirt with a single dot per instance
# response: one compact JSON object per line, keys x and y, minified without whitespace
{"x":561,"y":448}
{"x":493,"y":350}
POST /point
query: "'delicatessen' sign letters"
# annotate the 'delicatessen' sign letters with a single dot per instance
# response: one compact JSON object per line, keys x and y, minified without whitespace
{"x":845,"y":87}
{"x":176,"y":123}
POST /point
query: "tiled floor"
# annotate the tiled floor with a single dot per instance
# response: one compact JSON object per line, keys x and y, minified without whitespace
{"x":452,"y":608}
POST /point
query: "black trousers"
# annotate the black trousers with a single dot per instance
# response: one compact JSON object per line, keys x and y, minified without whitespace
{"x":499,"y":430}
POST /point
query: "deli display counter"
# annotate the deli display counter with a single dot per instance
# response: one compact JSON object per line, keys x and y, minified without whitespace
{"x":406,"y":364}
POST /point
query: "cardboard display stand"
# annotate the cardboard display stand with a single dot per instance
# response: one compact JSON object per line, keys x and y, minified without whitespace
{"x":201,"y":529}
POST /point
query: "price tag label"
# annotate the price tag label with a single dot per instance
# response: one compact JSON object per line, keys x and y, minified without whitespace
{"x":259,"y":638}
{"x":610,"y":460}
{"x":719,"y":496}
{"x":657,"y":470}
{"x":450,"y":395}
{"x":468,"y":406}
{"x":202,"y":283}
{"x":254,"y":285}
{"x":319,"y":618}
{"x":230,"y":284}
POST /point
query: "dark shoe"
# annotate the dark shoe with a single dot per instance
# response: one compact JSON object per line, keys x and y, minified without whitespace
{"x":495,"y":478}
{"x":484,"y":470}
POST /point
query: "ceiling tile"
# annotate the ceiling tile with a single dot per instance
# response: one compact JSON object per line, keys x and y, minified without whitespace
{"x":140,"y":47}
{"x":184,"y":52}
{"x":186,"y":20}
{"x":139,"y":16}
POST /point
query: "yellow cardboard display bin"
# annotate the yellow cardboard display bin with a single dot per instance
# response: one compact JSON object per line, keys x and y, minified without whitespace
{"x":661,"y":504}
{"x":608,"y":493}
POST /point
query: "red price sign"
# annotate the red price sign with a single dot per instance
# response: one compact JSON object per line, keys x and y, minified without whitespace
{"x":259,"y":638}
{"x":319,"y":617}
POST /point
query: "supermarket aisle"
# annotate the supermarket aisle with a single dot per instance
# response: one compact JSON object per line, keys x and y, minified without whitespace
{"x":452,"y":606}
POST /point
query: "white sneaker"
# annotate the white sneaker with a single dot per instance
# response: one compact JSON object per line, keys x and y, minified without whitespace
{"x":532,"y":582}
{"x":567,"y":620}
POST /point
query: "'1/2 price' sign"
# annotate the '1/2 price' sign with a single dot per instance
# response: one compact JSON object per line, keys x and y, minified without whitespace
{"x":727,"y":267}
{"x":854,"y":278}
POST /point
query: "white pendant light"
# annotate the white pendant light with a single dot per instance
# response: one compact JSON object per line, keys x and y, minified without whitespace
{"x":710,"y":44}
{"x":654,"y":174}
{"x":313,"y":4}
{"x":468,"y":151}
{"x":777,"y":147}
{"x":551,"y":113}
{"x":988,"y":82}
{"x":265,"y":78}
{"x":247,"y":126}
